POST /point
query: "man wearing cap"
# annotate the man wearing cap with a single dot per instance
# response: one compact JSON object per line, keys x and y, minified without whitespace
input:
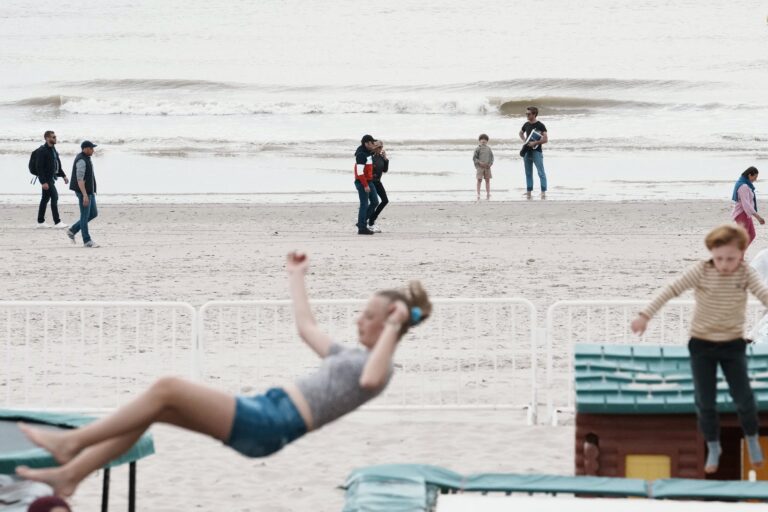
{"x":366,"y":190}
{"x":83,"y":183}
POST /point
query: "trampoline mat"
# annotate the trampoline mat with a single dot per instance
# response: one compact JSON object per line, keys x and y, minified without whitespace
{"x":13,"y":440}
{"x":16,"y":449}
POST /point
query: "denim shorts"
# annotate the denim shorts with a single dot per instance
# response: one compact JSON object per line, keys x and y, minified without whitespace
{"x":265,"y":423}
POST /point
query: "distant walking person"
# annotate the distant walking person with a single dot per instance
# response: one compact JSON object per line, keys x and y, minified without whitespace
{"x":83,"y":183}
{"x":534,"y":134}
{"x":483,"y":159}
{"x":48,"y":166}
{"x":366,"y":190}
{"x":745,"y":202}
{"x":380,"y":166}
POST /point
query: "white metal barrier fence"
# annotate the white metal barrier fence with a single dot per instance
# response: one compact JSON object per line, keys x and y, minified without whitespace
{"x":472,"y":353}
{"x":587,"y":321}
{"x":90,"y":355}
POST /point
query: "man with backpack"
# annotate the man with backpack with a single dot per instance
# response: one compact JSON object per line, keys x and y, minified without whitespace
{"x":46,"y":165}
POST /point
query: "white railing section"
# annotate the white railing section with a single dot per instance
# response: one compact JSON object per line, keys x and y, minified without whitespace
{"x":472,"y":353}
{"x":586,"y":321}
{"x":90,"y":355}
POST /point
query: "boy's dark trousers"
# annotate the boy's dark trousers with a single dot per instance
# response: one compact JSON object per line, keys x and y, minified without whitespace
{"x":732,"y":358}
{"x":51,"y":195}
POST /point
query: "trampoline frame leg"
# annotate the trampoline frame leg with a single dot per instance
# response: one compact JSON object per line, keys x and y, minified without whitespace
{"x":132,"y":487}
{"x":105,"y":491}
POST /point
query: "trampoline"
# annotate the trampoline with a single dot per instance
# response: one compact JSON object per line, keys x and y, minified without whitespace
{"x":17,"y":450}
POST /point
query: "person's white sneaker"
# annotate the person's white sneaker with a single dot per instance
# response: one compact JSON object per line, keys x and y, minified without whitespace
{"x":43,"y":225}
{"x":90,"y":244}
{"x":71,"y":236}
{"x":61,"y":225}
{"x":374,"y":228}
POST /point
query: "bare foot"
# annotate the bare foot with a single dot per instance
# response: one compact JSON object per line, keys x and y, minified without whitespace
{"x":710,"y":469}
{"x":55,"y":477}
{"x":53,"y":441}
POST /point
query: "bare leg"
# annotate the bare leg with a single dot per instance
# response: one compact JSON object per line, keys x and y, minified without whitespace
{"x":170,"y":400}
{"x":65,"y":479}
{"x":478,"y":188}
{"x":488,"y":188}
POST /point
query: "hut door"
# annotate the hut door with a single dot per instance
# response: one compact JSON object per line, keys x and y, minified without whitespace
{"x":648,"y":467}
{"x":762,"y":473}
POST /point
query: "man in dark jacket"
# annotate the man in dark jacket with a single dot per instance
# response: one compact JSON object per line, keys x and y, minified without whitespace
{"x":48,"y":166}
{"x":83,"y":183}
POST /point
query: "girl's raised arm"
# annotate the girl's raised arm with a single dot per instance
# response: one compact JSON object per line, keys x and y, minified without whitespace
{"x":297,"y":265}
{"x":377,"y":367}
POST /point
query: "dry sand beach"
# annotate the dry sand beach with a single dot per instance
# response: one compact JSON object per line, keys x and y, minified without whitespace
{"x":543,"y":251}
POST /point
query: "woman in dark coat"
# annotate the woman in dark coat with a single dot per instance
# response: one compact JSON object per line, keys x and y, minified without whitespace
{"x":380,"y":166}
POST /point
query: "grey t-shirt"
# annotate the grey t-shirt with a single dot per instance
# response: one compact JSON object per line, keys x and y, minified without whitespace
{"x":483,"y":155}
{"x":334,"y":389}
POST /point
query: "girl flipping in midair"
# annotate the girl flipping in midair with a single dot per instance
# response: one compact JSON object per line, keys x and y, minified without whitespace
{"x":255,"y":426}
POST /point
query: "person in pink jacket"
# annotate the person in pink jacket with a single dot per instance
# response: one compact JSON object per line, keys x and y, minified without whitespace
{"x":745,"y":202}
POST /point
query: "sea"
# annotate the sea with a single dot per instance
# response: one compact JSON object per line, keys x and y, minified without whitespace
{"x":265,"y":101}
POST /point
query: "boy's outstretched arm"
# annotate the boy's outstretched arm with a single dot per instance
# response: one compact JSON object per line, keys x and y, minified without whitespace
{"x":685,"y":282}
{"x":297,"y":264}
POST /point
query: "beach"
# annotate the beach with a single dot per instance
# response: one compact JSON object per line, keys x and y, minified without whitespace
{"x":226,"y":138}
{"x":541,"y":250}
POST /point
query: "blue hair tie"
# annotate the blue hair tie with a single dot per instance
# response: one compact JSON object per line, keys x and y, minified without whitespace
{"x":415,"y":315}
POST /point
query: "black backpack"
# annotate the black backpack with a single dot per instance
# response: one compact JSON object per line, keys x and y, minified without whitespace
{"x":33,"y":162}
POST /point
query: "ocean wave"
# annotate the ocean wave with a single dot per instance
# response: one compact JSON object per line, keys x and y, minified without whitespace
{"x":564,"y":105}
{"x":191,"y":147}
{"x":266,"y":105}
{"x":150,"y":84}
{"x":55,"y":101}
{"x":589,"y":84}
{"x":203,"y":107}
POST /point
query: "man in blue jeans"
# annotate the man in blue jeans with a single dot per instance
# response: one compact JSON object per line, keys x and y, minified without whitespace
{"x":534,"y":155}
{"x":83,"y":183}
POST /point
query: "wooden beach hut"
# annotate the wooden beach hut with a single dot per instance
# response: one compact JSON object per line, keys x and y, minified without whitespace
{"x":635,"y":414}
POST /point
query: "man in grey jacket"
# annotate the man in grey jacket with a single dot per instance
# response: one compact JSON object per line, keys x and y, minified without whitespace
{"x":83,"y":183}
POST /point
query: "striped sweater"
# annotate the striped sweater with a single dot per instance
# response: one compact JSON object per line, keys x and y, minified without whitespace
{"x":721,"y":300}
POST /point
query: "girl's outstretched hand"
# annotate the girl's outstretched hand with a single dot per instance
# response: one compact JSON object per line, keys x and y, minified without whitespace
{"x":639,"y":325}
{"x":296,"y":262}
